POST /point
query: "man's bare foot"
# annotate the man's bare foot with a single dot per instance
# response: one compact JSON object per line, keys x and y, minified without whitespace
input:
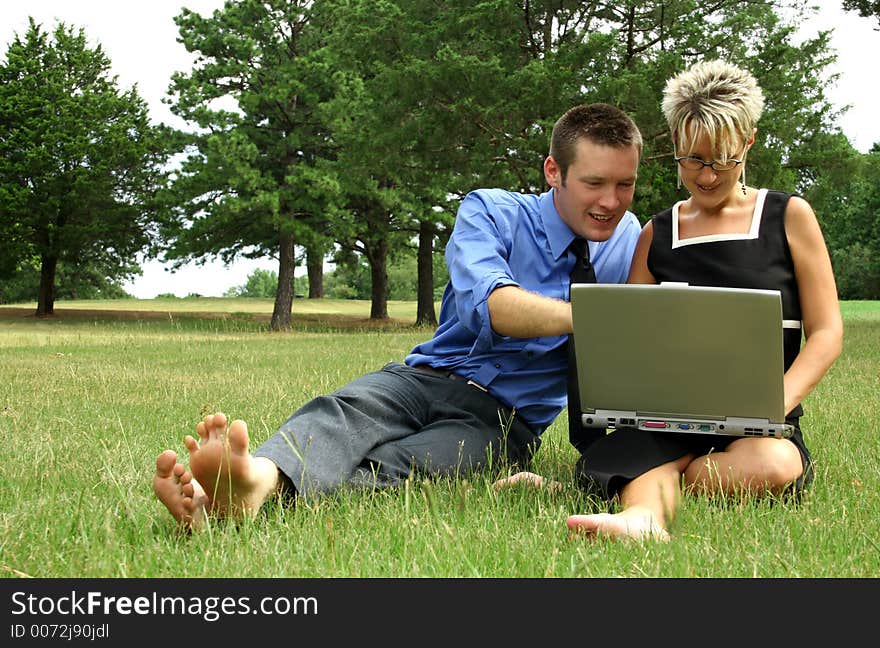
{"x":633,"y":523}
{"x":235,"y":482}
{"x":179,"y":492}
{"x":530,"y":479}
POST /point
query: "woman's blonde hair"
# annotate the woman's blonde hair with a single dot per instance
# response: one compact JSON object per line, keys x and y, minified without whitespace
{"x":715,"y":99}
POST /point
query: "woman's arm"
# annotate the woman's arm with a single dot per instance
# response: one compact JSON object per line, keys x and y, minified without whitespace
{"x":638,"y":272}
{"x":820,"y":310}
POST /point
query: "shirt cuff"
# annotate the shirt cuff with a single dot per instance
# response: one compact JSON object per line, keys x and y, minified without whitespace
{"x":487,"y":338}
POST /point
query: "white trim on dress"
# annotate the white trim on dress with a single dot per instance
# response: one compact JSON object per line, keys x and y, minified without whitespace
{"x":712,"y":238}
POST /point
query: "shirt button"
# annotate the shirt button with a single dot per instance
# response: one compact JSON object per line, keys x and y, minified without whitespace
{"x":498,"y":366}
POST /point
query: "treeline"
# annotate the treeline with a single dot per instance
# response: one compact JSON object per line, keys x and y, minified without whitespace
{"x":350,"y":281}
{"x":348,"y":130}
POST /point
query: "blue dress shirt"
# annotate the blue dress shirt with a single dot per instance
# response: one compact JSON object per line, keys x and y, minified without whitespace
{"x":503,"y":238}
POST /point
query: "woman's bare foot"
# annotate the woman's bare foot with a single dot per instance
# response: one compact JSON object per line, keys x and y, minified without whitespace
{"x":179,"y":492}
{"x":235,"y":482}
{"x":530,"y":479}
{"x":634,"y":523}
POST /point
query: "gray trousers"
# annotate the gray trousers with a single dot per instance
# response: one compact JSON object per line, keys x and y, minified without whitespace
{"x":382,"y":427}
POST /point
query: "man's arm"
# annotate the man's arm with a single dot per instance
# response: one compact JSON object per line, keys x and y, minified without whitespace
{"x":515,"y":312}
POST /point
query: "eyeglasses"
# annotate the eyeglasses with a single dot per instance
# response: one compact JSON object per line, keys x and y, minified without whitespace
{"x":696,"y":164}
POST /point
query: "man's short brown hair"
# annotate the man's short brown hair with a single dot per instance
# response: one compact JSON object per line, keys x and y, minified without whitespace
{"x":601,"y":123}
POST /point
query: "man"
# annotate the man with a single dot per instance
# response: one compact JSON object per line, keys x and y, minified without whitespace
{"x":490,"y":380}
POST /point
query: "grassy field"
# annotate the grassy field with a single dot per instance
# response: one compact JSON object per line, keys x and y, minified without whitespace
{"x":88,"y":399}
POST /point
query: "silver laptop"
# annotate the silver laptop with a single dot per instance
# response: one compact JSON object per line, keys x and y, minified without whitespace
{"x":679,"y":358}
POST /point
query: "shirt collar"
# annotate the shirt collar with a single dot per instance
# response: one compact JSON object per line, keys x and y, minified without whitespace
{"x":558,"y":233}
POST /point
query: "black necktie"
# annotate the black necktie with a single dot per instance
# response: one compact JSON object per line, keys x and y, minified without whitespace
{"x":582,"y":272}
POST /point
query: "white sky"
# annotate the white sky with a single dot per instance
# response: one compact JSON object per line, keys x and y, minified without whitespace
{"x":140,"y":38}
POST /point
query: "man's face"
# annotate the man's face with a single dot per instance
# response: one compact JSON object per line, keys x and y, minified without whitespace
{"x":598,"y":188}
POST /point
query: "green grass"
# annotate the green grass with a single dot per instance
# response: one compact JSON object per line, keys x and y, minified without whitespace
{"x":86,"y":404}
{"x":216,"y":308}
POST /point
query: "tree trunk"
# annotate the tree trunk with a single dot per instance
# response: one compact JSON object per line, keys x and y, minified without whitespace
{"x":46,"y":299}
{"x":315,"y":269}
{"x":378,"y":257}
{"x":281,"y":314}
{"x":425,"y":313}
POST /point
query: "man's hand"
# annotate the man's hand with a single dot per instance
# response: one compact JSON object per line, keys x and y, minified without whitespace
{"x":530,"y":479}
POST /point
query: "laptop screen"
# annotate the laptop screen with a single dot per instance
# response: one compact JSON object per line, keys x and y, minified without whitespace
{"x":679,"y":350}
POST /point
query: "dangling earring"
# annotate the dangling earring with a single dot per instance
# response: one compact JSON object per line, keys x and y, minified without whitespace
{"x":677,"y":180}
{"x":742,"y":179}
